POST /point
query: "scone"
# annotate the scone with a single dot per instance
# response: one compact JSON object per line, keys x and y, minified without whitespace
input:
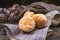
{"x":26,"y":24}
{"x":28,"y":13}
{"x":40,"y":20}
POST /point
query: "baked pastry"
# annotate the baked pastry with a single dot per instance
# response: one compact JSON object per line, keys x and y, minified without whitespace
{"x":28,"y":13}
{"x":40,"y":20}
{"x":26,"y":24}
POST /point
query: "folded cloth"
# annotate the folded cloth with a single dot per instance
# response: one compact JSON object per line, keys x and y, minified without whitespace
{"x":37,"y":34}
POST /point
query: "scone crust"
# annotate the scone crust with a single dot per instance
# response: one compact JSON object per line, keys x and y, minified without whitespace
{"x":26,"y":24}
{"x":40,"y":20}
{"x":28,"y":13}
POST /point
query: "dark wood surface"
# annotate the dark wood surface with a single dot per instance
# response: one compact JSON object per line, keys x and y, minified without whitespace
{"x":56,"y":33}
{"x":3,"y":35}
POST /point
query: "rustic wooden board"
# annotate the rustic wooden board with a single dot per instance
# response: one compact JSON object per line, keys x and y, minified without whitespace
{"x":3,"y":35}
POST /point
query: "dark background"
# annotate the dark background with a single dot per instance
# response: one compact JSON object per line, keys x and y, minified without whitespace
{"x":8,"y":3}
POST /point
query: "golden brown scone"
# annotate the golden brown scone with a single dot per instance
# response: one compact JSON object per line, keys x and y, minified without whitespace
{"x":40,"y":20}
{"x":26,"y":24}
{"x":28,"y":13}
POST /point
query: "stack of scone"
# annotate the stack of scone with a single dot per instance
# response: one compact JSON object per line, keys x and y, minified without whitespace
{"x":30,"y":20}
